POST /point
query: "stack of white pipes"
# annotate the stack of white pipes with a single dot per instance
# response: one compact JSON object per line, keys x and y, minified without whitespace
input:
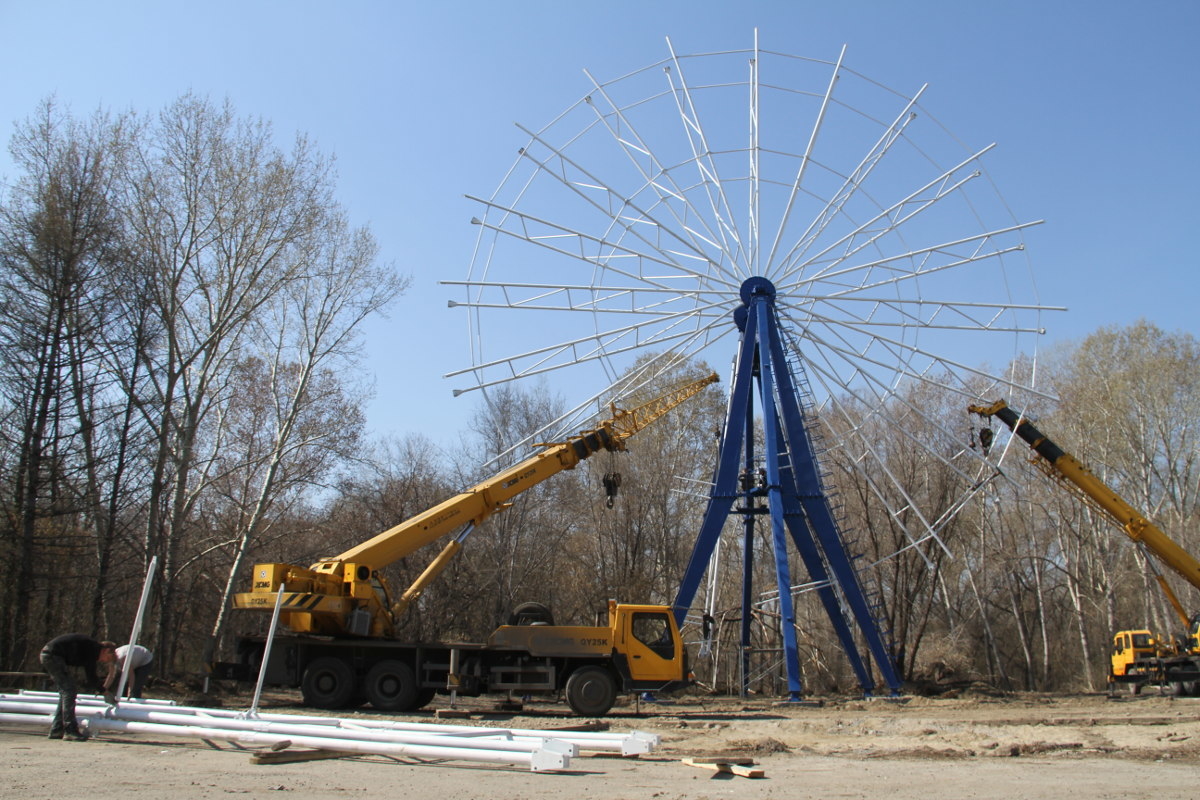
{"x":539,"y":750}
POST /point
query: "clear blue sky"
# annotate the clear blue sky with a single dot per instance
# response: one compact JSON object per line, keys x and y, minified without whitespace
{"x":1094,"y":106}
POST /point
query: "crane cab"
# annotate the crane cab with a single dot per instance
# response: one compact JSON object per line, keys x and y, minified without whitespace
{"x":1132,"y":652}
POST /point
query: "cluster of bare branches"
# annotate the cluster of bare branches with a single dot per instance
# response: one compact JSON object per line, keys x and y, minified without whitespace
{"x":181,"y":301}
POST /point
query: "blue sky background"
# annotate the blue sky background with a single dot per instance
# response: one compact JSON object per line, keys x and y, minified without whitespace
{"x":1094,"y":106}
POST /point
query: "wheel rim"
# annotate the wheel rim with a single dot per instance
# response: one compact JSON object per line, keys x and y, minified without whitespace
{"x":328,"y":683}
{"x":590,"y":691}
{"x":391,"y":686}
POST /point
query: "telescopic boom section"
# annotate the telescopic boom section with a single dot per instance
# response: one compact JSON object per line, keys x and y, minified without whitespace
{"x":346,"y":594}
{"x":493,"y":495}
{"x":1129,"y":519}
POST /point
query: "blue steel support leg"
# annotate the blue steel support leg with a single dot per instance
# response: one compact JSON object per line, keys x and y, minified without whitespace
{"x":749,"y":513}
{"x":796,"y":500}
{"x":820,"y":516}
{"x":725,"y":481}
{"x":810,"y":553}
{"x":760,"y":317}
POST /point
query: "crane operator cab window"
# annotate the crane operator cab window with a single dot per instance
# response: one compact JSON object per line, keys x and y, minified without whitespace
{"x":654,"y":632}
{"x":1141,"y":640}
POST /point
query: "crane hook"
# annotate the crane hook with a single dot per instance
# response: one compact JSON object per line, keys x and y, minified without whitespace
{"x":611,"y":480}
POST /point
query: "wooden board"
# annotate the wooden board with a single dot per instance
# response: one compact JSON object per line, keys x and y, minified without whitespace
{"x":735,"y":766}
{"x":452,"y":713}
{"x":294,"y":756}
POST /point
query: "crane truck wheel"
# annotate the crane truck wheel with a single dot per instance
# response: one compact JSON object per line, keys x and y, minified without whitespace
{"x":424,"y":697}
{"x":328,"y":683}
{"x":391,"y":686}
{"x":591,"y":691}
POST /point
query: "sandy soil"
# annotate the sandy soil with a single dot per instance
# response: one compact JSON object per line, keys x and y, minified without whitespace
{"x":970,"y":746}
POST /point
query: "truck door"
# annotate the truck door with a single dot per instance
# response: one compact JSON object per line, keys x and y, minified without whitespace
{"x":652,"y":646}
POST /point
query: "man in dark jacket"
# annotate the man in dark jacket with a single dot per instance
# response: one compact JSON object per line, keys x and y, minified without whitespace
{"x":75,"y":650}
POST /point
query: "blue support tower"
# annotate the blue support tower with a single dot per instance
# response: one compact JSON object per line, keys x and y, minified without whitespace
{"x":796,"y":502}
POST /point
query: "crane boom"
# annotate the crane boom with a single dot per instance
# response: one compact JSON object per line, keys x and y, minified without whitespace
{"x":493,"y":495}
{"x":1135,"y":524}
{"x":342,"y":594}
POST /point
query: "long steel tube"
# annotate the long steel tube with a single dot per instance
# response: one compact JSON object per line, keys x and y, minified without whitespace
{"x":539,"y":750}
{"x":538,"y":759}
{"x":630,"y":743}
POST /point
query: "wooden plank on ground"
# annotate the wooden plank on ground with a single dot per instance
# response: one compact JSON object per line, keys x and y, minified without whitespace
{"x":590,"y":725}
{"x":294,"y":756}
{"x":734,"y":766}
{"x":452,"y":713}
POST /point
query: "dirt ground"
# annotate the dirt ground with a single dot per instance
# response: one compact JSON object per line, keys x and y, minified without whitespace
{"x":974,"y":745}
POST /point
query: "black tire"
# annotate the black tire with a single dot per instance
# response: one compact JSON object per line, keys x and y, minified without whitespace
{"x":328,"y":683}
{"x":391,"y":686}
{"x":531,"y":614}
{"x":251,"y":664}
{"x":424,"y":698}
{"x":591,"y":691}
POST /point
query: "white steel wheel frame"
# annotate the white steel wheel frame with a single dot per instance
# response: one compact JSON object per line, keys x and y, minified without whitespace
{"x":626,"y":226}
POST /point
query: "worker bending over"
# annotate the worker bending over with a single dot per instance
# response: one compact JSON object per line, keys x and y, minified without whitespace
{"x":75,"y":650}
{"x":139,"y":664}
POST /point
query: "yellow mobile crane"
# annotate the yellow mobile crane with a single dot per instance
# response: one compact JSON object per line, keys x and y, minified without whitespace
{"x":341,"y":619}
{"x":1138,"y":656}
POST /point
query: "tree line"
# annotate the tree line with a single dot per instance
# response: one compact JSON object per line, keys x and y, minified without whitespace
{"x":182,"y":305}
{"x":180,"y":298}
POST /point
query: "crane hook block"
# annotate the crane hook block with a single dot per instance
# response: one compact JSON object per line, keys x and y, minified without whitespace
{"x":611,"y":480}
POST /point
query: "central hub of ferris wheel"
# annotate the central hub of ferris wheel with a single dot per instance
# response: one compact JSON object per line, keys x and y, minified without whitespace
{"x":756,"y":286}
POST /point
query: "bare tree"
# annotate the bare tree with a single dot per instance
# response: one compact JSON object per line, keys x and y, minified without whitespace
{"x":225,"y":224}
{"x":60,"y":242}
{"x":513,"y":557}
{"x":296,"y":419}
{"x":636,"y":546}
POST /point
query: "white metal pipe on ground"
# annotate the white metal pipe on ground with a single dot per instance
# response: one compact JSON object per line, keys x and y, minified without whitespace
{"x":546,"y":758}
{"x":537,"y":754}
{"x":26,"y":694}
{"x":631,"y":743}
{"x":499,"y":741}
